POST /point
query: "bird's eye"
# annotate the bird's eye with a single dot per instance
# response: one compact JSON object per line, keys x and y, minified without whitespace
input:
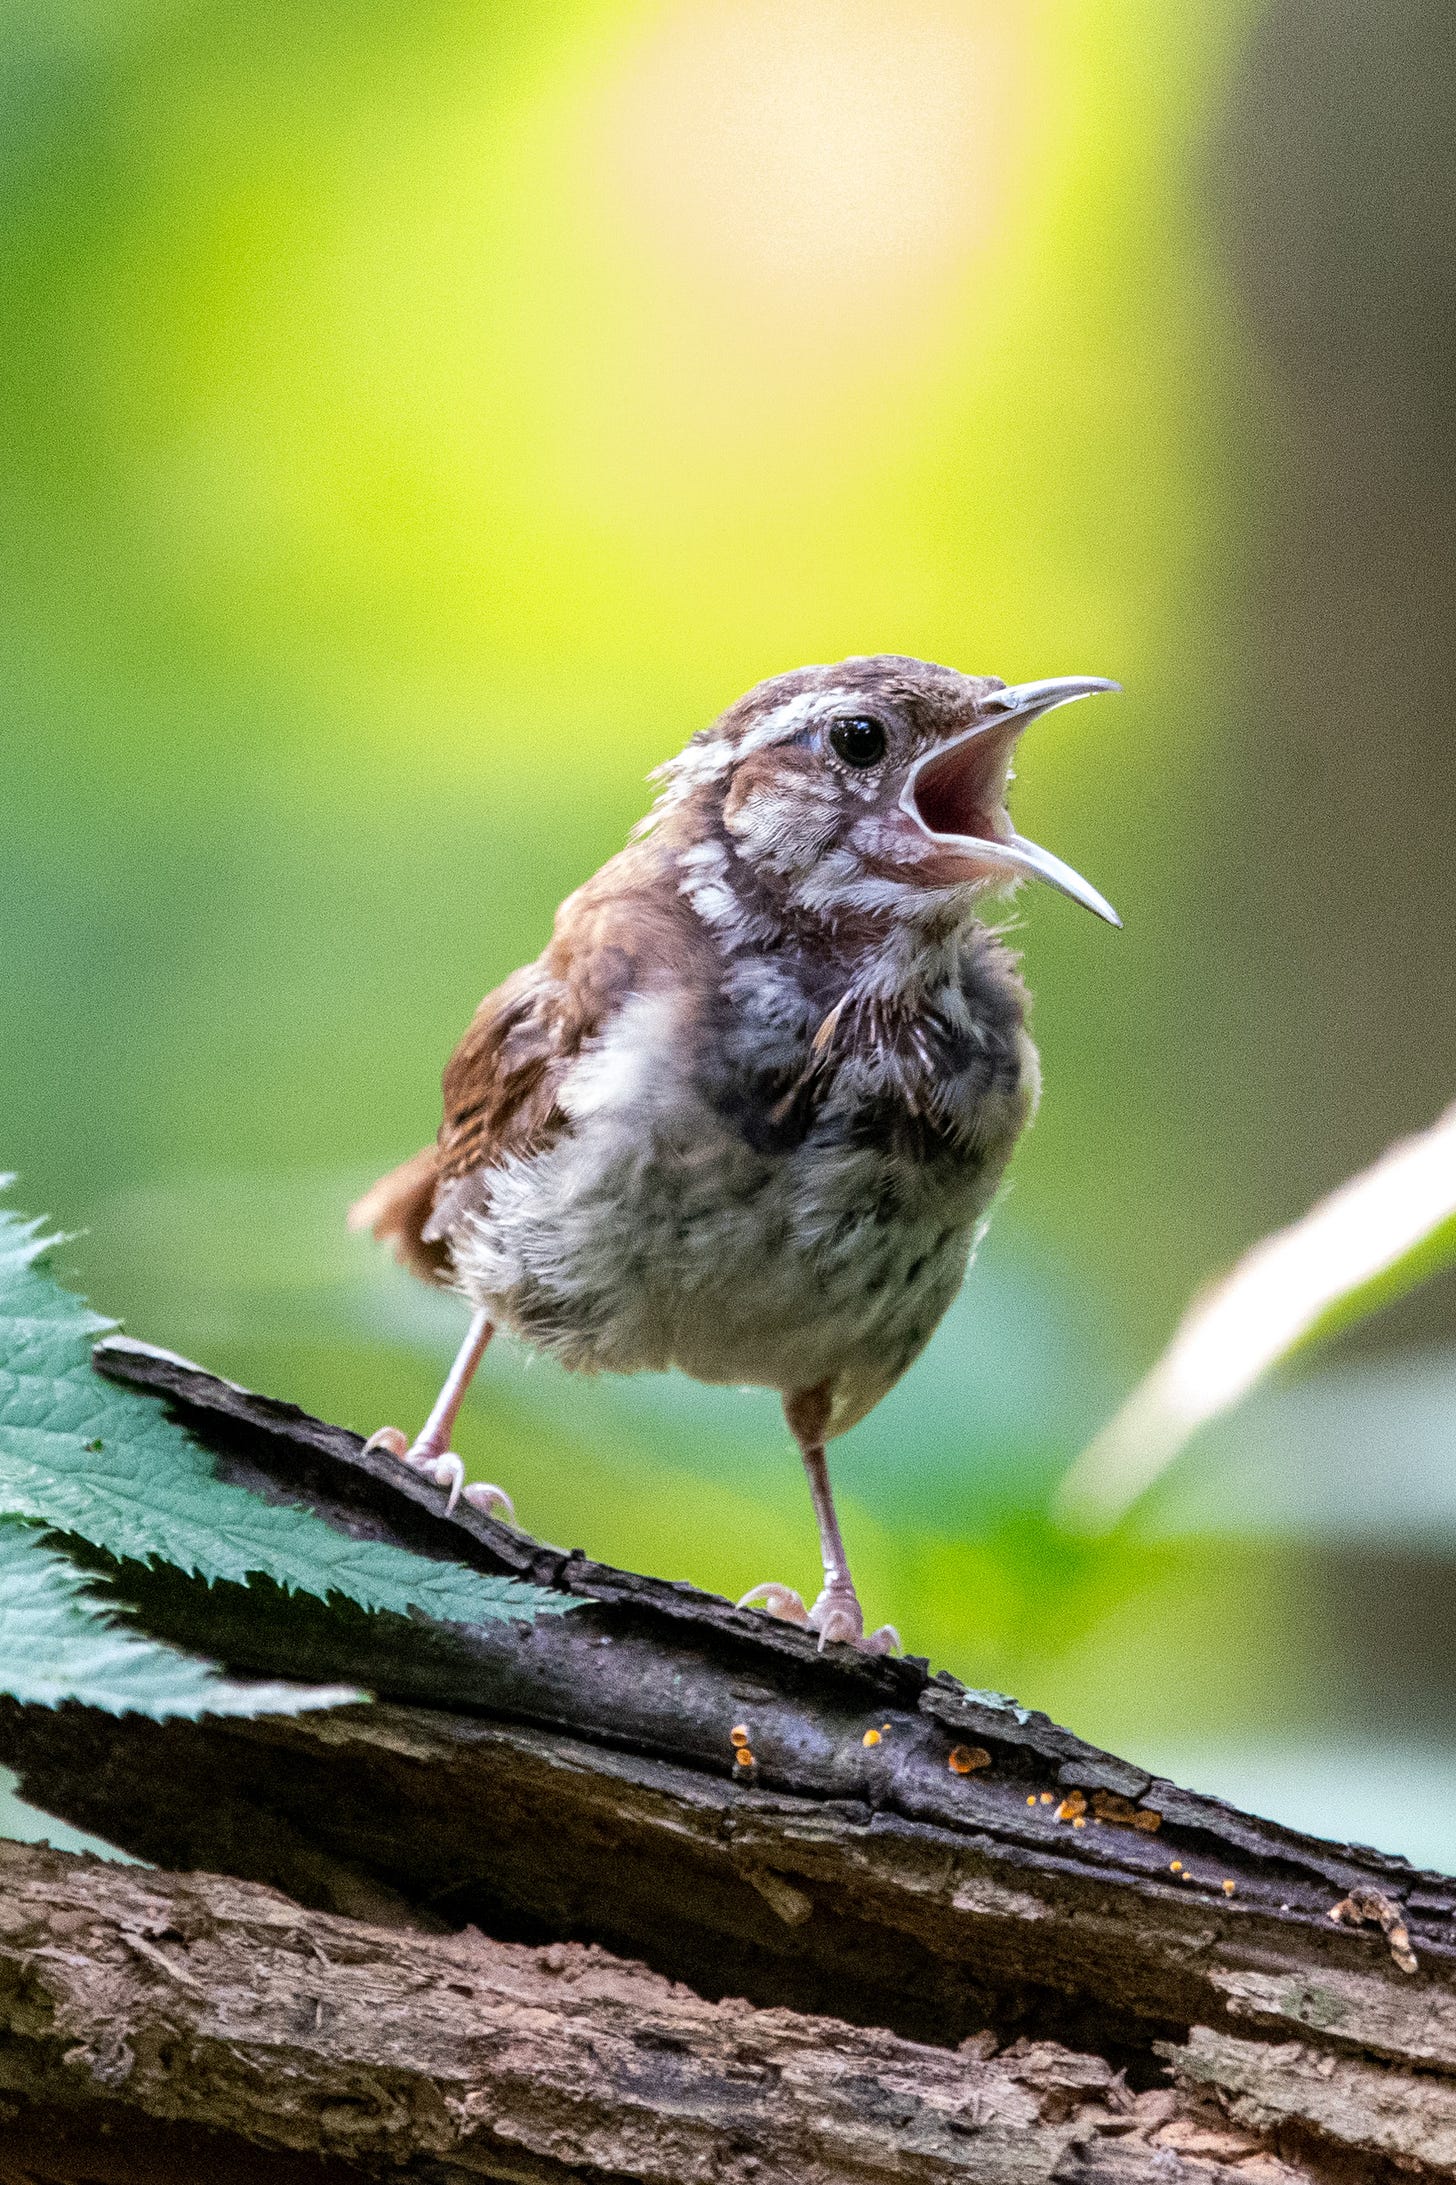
{"x":857,"y":739}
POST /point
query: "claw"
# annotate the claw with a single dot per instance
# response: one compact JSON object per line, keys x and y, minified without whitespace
{"x":482,"y":1496}
{"x":836,"y":1616}
{"x":839,"y":1626}
{"x":442,"y":1468}
{"x":389,"y":1439}
{"x":447,"y":1471}
{"x":779,"y":1601}
{"x":839,"y":1621}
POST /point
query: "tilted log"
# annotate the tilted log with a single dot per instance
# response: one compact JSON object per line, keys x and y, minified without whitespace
{"x":897,"y":1853}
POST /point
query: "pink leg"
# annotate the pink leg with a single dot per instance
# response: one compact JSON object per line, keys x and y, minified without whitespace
{"x":430,"y":1452}
{"x":837,"y":1613}
{"x":438,"y":1430}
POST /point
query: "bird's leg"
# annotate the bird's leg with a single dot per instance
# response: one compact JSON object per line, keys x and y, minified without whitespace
{"x":430,"y":1452}
{"x":837,"y":1613}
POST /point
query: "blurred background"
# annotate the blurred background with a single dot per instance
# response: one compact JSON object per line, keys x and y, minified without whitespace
{"x":415,"y":422}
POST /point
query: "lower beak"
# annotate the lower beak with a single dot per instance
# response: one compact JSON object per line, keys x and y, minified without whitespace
{"x":956,"y":794}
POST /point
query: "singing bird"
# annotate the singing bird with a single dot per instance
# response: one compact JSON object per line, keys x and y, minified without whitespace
{"x":746,"y":1113}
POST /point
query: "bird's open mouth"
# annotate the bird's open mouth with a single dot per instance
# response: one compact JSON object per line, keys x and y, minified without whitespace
{"x":961,"y":789}
{"x":957,"y":793}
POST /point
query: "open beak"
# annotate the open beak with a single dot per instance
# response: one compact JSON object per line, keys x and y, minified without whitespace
{"x":956,"y":794}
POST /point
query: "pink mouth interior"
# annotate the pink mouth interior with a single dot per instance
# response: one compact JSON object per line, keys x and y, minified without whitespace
{"x":961,"y":793}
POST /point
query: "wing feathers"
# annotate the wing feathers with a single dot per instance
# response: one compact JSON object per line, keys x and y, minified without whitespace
{"x":397,"y":1208}
{"x":622,"y":933}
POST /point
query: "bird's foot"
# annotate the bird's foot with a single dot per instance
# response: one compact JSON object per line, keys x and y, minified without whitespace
{"x":836,"y":1616}
{"x":778,"y":1601}
{"x":443,"y":1469}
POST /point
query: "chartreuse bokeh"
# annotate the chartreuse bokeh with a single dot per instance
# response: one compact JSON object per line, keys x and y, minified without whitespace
{"x":418,"y":421}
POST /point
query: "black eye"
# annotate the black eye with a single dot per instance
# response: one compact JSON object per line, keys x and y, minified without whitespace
{"x":857,"y":739}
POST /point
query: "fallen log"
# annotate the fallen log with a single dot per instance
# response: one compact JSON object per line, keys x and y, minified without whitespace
{"x":853,"y":1855}
{"x":203,"y":2022}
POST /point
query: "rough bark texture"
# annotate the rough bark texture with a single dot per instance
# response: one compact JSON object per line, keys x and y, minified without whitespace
{"x":228,"y":2019}
{"x":1142,"y":1983}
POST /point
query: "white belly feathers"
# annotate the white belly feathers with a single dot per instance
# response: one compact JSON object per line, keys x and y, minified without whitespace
{"x":650,"y":1234}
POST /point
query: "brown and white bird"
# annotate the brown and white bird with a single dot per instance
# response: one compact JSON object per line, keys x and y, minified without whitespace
{"x":746,"y":1113}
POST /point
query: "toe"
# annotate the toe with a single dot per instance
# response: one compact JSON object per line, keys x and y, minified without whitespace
{"x":837,"y":1616}
{"x":447,"y":1471}
{"x":839,"y":1621}
{"x":840,"y":1625}
{"x":777,"y":1600}
{"x":482,"y":1496}
{"x":390,"y":1440}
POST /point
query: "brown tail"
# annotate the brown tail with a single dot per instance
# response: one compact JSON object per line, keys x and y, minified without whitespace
{"x":397,"y":1208}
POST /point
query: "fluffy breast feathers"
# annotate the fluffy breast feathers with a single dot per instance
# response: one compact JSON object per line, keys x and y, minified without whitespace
{"x":780,"y":1051}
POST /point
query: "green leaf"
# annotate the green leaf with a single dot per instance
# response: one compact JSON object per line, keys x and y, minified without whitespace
{"x":1379,"y":1235}
{"x":57,"y":1642}
{"x":81,"y":1455}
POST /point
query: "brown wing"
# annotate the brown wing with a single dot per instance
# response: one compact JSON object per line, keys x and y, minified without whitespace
{"x":397,"y":1208}
{"x":500,"y":1089}
{"x":626,"y":930}
{"x":501,"y":1083}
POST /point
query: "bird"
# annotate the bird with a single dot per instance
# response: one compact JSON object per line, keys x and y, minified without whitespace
{"x":746,"y":1113}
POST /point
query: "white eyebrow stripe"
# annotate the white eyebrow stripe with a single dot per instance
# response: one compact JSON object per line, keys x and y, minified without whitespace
{"x":785,"y":719}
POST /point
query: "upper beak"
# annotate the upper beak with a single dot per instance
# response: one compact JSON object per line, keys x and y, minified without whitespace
{"x":956,"y":793}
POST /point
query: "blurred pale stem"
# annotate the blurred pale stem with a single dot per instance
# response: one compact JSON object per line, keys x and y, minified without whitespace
{"x":1275,"y":1297}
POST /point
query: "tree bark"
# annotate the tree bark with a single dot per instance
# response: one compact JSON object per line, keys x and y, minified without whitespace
{"x":917,"y":1932}
{"x":210,"y":2021}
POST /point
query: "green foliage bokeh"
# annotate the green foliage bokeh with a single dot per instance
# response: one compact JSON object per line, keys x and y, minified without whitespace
{"x":417,"y":422}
